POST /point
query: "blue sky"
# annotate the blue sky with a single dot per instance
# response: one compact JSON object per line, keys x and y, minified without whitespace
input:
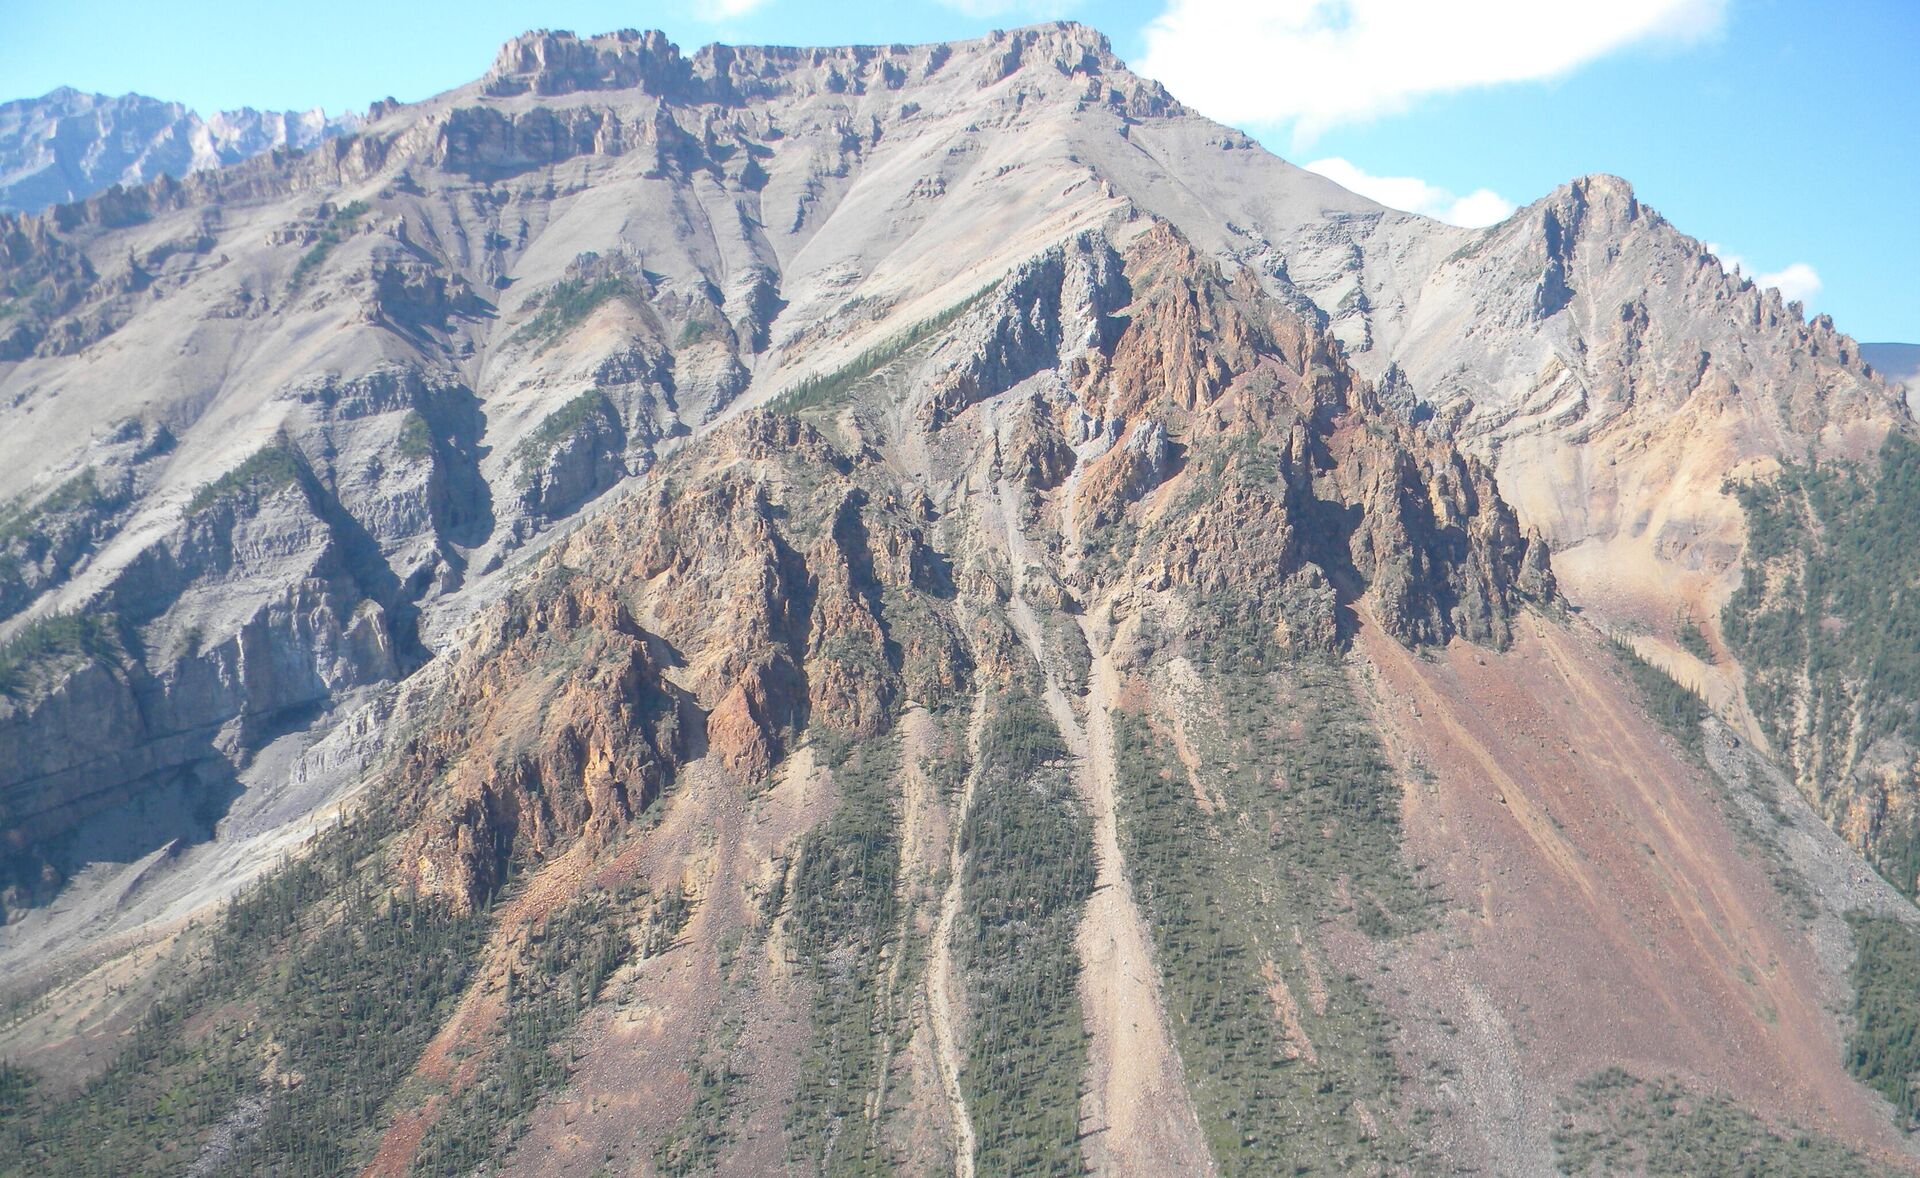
{"x":1787,"y":133}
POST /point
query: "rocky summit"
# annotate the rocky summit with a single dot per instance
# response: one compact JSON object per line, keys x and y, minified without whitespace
{"x":927,"y":609}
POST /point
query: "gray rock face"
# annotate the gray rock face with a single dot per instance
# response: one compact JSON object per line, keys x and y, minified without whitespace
{"x":248,"y":619}
{"x":1055,"y":305}
{"x":66,"y":146}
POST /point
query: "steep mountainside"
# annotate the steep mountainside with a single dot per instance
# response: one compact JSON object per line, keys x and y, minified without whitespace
{"x":66,"y":145}
{"x":917,"y":609}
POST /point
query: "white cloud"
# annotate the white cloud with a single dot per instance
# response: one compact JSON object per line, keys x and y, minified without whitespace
{"x":1316,"y":63}
{"x":1483,"y":206}
{"x":1797,"y":282}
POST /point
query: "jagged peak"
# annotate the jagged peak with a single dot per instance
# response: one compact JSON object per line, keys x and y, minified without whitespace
{"x":1598,"y":198}
{"x":1603,"y":185}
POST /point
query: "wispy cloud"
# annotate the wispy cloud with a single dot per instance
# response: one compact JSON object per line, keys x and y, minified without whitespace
{"x":1483,"y":206}
{"x":1797,"y":282}
{"x":1317,"y":63}
{"x":728,"y":9}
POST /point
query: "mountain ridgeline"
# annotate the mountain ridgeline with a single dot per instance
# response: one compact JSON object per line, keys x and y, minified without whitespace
{"x":926,"y":609}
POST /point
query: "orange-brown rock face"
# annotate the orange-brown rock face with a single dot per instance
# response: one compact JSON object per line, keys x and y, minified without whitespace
{"x":1275,"y":473}
{"x":718,"y":614}
{"x":556,"y":724}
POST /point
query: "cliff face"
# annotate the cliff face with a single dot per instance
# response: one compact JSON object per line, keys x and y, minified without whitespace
{"x":886,"y":582}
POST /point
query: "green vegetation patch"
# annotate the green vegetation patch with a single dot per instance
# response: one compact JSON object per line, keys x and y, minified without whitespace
{"x":1613,"y":1123}
{"x":1678,"y":708}
{"x":1884,"y":1049}
{"x":268,"y":470}
{"x":49,"y":640}
{"x":567,"y":304}
{"x":842,"y":923}
{"x":556,"y":427}
{"x":80,"y":494}
{"x":1291,"y":745}
{"x":695,"y":1144}
{"x":1692,"y":638}
{"x":558,"y":978}
{"x":1288,"y":1059}
{"x":1029,"y":870}
{"x":278,"y":1050}
{"x":693,"y":332}
{"x":416,"y":436}
{"x":336,"y":230}
{"x":829,"y":389}
{"x":1829,"y":608}
{"x":41,"y":541}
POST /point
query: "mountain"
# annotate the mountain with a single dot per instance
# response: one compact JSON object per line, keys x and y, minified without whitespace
{"x":1899,"y":363}
{"x":928,"y":609}
{"x":66,"y":145}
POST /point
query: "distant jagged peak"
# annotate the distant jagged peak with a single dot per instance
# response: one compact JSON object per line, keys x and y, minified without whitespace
{"x":1602,"y":200}
{"x":1604,"y":188}
{"x":71,"y":100}
{"x":69,"y":144}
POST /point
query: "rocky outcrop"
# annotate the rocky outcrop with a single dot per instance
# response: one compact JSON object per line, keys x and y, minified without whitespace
{"x":718,"y":617}
{"x":572,"y":457}
{"x":553,"y":63}
{"x":492,"y":145}
{"x":1256,"y":457}
{"x":554,"y":723}
{"x":1056,"y":306}
{"x":255,"y":614}
{"x":44,"y":277}
{"x":44,"y":539}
